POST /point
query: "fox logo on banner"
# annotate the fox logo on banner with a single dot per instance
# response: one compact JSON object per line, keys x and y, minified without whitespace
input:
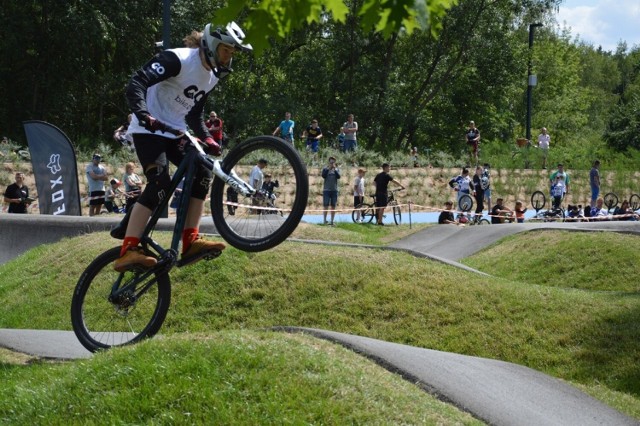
{"x":55,"y":169}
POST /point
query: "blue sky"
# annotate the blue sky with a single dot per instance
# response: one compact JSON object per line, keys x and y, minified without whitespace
{"x":602,"y":22}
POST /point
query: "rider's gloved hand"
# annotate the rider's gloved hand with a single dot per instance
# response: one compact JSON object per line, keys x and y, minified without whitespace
{"x":211,"y":147}
{"x":152,"y":124}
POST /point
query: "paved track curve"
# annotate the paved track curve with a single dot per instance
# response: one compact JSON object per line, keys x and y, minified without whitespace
{"x":497,"y":392}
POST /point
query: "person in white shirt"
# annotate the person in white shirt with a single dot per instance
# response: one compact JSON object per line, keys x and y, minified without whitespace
{"x":543,"y":143}
{"x":358,"y":192}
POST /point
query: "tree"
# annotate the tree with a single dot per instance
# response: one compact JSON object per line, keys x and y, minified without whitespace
{"x":277,"y":19}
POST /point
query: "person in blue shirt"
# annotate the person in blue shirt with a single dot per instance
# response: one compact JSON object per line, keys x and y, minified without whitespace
{"x":285,"y":128}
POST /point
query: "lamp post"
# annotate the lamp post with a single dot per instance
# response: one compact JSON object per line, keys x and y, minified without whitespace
{"x":166,"y":24}
{"x":532,"y":79}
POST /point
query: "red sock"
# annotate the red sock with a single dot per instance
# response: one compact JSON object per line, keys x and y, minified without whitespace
{"x":188,"y":236}
{"x":128,"y":242}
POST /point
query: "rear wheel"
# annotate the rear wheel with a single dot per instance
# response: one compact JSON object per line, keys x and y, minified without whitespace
{"x":610,"y":200}
{"x":240,"y":219}
{"x":367,"y":213}
{"x":465,"y":203}
{"x":484,"y":222}
{"x":114,"y":309}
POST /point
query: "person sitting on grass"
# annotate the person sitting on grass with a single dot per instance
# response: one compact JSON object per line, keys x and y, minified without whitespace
{"x":446,"y":216}
{"x":500,"y":213}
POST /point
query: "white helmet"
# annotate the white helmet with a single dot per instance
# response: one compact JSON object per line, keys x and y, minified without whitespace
{"x":231,"y":35}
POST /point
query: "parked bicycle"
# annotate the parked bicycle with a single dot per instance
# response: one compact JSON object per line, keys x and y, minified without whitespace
{"x":368,"y":210}
{"x":465,"y":204}
{"x":538,"y":201}
{"x":109,"y":308}
{"x":611,"y":201}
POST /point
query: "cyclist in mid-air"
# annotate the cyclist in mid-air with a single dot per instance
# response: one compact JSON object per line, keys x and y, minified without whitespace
{"x":170,"y":91}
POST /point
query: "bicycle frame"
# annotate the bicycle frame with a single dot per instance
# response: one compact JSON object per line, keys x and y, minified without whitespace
{"x":194,"y":157}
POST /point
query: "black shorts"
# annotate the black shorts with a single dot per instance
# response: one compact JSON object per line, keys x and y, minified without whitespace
{"x":97,"y":198}
{"x":381,"y":199}
{"x":154,"y":149}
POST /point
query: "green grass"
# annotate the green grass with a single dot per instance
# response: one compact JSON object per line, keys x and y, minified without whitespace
{"x":219,"y":378}
{"x":534,"y":316}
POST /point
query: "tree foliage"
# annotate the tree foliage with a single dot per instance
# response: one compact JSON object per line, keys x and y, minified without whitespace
{"x":413,"y":72}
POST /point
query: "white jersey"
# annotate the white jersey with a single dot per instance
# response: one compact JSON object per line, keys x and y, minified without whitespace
{"x":174,"y":87}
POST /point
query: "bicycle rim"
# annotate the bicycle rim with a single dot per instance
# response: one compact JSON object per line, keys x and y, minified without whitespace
{"x":610,"y":200}
{"x":465,"y":203}
{"x":245,"y":222}
{"x":100,"y":324}
{"x":634,"y":202}
{"x":538,"y":200}
{"x":397,"y":215}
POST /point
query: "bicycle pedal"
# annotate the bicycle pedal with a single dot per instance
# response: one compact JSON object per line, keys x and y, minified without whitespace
{"x":204,"y":255}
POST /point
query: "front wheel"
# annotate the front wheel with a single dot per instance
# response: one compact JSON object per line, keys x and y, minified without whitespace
{"x":241,"y":220}
{"x":538,"y":200}
{"x":397,"y":214}
{"x":114,"y":309}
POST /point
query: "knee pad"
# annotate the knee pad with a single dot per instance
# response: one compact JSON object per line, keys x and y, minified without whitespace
{"x":201,"y":183}
{"x":158,"y":183}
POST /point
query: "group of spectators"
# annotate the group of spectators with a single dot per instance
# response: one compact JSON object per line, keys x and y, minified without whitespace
{"x":312,"y":134}
{"x":108,"y":196}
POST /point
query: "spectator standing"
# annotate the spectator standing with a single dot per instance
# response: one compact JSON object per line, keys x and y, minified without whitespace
{"x":358,"y":192}
{"x":473,"y":141}
{"x":499,"y":212}
{"x":350,"y":130}
{"x":96,"y":177}
{"x":446,"y":216}
{"x":381,"y":181}
{"x":414,"y":156}
{"x":17,"y":195}
{"x":256,"y":178}
{"x":331,"y":175}
{"x":543,"y":143}
{"x":486,"y":183}
{"x":132,"y":185}
{"x":215,"y":126}
{"x":313,"y":134}
{"x":269,"y":187}
{"x":461,"y":184}
{"x":478,"y":191}
{"x":565,"y":178}
{"x":558,"y":189}
{"x":594,"y":181}
{"x":285,"y":128}
{"x":520,"y":210}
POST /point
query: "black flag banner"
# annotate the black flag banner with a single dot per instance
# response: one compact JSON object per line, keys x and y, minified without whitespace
{"x":55,"y":169}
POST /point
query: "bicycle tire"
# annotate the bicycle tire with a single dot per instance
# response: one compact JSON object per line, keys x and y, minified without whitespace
{"x":366,"y":213}
{"x":610,"y":200}
{"x":484,"y":222}
{"x":634,"y":202}
{"x":100,"y":324}
{"x":397,"y":214}
{"x":538,"y":200}
{"x":247,"y":229}
{"x":465,"y":203}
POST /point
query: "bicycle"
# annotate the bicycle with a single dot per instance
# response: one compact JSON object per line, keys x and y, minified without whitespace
{"x":465,"y":204}
{"x":113,"y":309}
{"x":368,"y":211}
{"x":611,"y":200}
{"x":538,"y":201}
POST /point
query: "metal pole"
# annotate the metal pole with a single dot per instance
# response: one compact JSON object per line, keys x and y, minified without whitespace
{"x":530,"y":82}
